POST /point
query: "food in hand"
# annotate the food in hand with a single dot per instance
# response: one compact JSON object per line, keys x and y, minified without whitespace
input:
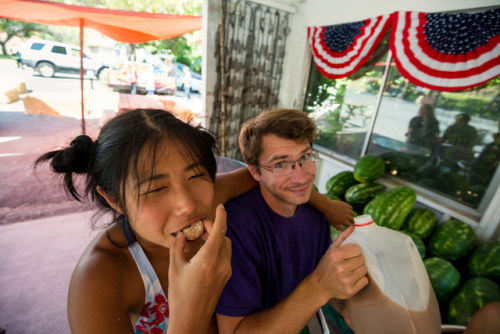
{"x":194,"y":231}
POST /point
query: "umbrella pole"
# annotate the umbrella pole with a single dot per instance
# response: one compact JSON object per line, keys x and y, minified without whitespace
{"x":81,"y":76}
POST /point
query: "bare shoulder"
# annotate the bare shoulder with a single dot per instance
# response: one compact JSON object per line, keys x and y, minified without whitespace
{"x":103,"y":286}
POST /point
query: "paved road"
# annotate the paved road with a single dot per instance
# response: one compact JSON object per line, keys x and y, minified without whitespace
{"x":25,"y":195}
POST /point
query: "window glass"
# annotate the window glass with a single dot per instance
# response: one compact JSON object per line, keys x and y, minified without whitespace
{"x":447,"y":142}
{"x":37,"y":46}
{"x":59,"y":49}
{"x":343,"y":107}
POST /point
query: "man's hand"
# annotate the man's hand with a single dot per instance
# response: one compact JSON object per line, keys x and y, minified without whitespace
{"x":341,"y":272}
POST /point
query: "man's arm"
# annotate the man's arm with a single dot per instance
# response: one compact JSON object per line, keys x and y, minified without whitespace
{"x":339,"y":214}
{"x":340,"y":274}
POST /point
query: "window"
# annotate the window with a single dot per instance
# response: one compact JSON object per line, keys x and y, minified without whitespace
{"x":37,"y":46}
{"x":445,"y":143}
{"x":58,"y":49}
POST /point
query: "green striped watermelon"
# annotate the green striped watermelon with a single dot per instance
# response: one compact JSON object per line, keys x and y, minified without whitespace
{"x":362,"y":193}
{"x":472,"y":296}
{"x":418,"y":242}
{"x":427,"y":172}
{"x":485,"y":260}
{"x":369,"y":168}
{"x":398,"y":163}
{"x":420,"y":221}
{"x":331,"y":196}
{"x":334,"y":233}
{"x":339,"y":183}
{"x":452,"y":240}
{"x":445,"y":278}
{"x":391,"y":208}
{"x":453,"y":184}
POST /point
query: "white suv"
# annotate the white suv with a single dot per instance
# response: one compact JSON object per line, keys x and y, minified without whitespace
{"x":49,"y":57}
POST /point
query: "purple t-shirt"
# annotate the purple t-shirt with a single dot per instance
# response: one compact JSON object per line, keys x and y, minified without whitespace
{"x":271,"y":254}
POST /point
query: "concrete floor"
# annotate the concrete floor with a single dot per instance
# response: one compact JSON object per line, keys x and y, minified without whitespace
{"x":36,"y":261}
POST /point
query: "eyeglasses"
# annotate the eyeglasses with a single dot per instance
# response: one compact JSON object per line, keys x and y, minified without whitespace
{"x":286,"y":167}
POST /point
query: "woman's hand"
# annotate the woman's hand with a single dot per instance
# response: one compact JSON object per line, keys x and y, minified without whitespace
{"x":339,"y":214}
{"x":195,"y":286}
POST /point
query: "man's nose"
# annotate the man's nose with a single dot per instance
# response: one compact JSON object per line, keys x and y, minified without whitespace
{"x":298,"y":173}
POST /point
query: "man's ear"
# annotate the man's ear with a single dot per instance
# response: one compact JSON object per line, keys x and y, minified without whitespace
{"x":253,"y":171}
{"x":110,"y":200}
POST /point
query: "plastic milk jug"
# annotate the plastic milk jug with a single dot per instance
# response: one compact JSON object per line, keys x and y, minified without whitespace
{"x":399,"y":297}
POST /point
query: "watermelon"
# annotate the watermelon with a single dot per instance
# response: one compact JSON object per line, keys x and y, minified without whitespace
{"x":485,"y":261}
{"x":445,"y":278}
{"x":334,"y":233}
{"x":339,"y":183}
{"x":428,"y":183}
{"x":452,"y":240}
{"x":474,"y":194}
{"x":418,"y":242}
{"x":331,"y":196}
{"x":362,"y":193}
{"x":391,"y":208}
{"x":472,"y":296}
{"x":427,"y":172}
{"x":420,"y":221}
{"x":399,"y":162}
{"x":453,"y":184}
{"x":369,"y":168}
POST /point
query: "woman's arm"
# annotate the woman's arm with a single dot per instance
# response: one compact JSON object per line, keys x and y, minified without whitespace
{"x":339,"y":214}
{"x":231,"y":184}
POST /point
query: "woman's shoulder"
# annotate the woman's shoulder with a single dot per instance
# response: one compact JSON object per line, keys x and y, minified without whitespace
{"x":104,"y":283}
{"x":103,"y":261}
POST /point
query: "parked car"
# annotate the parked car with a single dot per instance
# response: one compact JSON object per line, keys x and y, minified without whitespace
{"x":121,"y":77}
{"x":49,"y":57}
{"x":179,"y":76}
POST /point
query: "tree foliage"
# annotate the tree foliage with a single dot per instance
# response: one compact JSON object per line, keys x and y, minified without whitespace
{"x":184,"y":48}
{"x":11,"y":28}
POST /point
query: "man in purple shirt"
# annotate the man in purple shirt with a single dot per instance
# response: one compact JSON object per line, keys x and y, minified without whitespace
{"x":284,"y":266}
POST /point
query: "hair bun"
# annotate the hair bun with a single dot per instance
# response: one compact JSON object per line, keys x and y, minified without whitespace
{"x":76,"y":157}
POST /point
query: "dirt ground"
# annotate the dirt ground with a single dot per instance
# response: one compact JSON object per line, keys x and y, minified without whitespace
{"x":24,"y":193}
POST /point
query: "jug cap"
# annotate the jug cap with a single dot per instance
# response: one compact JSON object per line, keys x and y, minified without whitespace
{"x":363,"y":220}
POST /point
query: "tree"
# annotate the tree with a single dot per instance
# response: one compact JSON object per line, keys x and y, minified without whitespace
{"x":184,"y":49}
{"x":11,"y":28}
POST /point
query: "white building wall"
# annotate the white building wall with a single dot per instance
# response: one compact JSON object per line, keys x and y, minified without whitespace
{"x":298,"y":61}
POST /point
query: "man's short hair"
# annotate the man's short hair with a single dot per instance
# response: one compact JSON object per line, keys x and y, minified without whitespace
{"x":463,"y":117}
{"x":290,"y":124}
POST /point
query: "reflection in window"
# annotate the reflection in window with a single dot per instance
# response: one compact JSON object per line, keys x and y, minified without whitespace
{"x":445,"y":141}
{"x":343,"y":107}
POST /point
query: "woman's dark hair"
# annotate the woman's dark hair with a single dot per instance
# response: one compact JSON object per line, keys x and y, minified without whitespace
{"x":109,"y":160}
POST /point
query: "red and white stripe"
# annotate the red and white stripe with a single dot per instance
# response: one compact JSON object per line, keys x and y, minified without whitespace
{"x":424,"y":66}
{"x":336,"y":65}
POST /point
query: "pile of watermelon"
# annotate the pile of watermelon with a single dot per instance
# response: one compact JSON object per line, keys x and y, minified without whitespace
{"x":464,"y":272}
